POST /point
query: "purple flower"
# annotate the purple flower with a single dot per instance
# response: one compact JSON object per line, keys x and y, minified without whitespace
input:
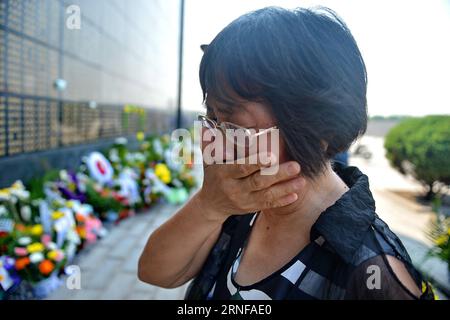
{"x":69,"y":194}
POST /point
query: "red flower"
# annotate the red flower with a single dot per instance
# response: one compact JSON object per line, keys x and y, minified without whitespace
{"x":80,"y":218}
{"x":22,"y":263}
{"x":100,"y":167}
{"x":46,"y":267}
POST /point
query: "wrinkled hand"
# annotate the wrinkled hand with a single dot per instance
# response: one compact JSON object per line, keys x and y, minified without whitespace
{"x":230,"y":189}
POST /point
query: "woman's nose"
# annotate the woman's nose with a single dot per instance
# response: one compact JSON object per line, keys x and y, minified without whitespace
{"x":206,"y":137}
{"x":214,"y":142}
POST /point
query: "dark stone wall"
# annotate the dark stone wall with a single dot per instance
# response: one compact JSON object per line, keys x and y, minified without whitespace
{"x":26,"y":166}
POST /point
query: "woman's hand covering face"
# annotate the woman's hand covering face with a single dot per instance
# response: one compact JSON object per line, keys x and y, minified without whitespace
{"x":240,"y":188}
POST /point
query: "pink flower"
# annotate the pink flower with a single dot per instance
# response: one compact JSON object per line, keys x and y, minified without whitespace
{"x":45,"y":239}
{"x":19,"y":251}
{"x":93,"y":224}
{"x":91,"y":237}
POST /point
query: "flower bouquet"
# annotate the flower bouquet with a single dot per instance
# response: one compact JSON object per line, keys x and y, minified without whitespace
{"x":42,"y":229}
{"x":36,"y":243}
{"x":36,"y":257}
{"x":15,"y":204}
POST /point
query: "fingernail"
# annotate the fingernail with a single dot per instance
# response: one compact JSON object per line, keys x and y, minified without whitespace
{"x":293,"y":168}
{"x":292,"y":197}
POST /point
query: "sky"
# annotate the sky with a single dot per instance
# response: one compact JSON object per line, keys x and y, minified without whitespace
{"x":405,"y":45}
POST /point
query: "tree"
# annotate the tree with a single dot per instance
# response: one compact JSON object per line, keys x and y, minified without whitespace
{"x":421,"y":147}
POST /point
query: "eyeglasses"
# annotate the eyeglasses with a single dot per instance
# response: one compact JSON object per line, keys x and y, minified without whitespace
{"x":238,"y":135}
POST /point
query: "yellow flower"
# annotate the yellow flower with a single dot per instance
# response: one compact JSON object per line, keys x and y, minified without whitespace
{"x":4,"y":193}
{"x":37,"y":230}
{"x":441,"y":239}
{"x":165,"y":138}
{"x":163,"y":172}
{"x":55,"y":255}
{"x":81,"y":232}
{"x":424,"y":287}
{"x":57,"y":214}
{"x":448,"y":231}
{"x":145,"y":145}
{"x":140,"y":136}
{"x":17,"y":185}
{"x":127,"y":108}
{"x":69,"y":204}
{"x":35,"y":247}
{"x":52,"y":254}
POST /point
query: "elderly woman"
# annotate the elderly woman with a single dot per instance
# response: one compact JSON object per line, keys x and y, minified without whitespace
{"x":310,"y":230}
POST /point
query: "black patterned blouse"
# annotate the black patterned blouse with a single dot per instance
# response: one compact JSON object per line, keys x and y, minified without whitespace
{"x":345,"y":259}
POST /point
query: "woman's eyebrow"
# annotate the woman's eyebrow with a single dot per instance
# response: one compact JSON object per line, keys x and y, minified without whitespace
{"x":222,"y":108}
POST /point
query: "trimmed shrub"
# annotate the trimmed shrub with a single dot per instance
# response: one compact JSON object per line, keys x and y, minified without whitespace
{"x":421,"y":147}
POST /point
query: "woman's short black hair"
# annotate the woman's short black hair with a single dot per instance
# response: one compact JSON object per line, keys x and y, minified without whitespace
{"x":306,"y":65}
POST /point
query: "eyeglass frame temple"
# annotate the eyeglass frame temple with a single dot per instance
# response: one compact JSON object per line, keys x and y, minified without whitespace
{"x":218,"y":126}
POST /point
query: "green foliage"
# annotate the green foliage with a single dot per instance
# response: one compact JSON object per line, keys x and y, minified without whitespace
{"x":393,"y":117}
{"x":36,"y":184}
{"x":421,"y":147}
{"x":439,"y":232}
{"x":102,"y":203}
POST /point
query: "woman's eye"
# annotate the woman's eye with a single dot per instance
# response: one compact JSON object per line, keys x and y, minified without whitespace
{"x":210,"y":114}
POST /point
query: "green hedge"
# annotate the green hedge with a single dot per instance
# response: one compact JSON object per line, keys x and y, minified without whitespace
{"x":421,"y":146}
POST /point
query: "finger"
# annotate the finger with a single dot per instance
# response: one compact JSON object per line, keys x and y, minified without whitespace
{"x":257,"y":181}
{"x":286,"y":200}
{"x":281,"y":202}
{"x":274,"y":196}
{"x":246,"y":166}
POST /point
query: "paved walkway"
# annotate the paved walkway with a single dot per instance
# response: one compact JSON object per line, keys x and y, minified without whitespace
{"x":109,"y":267}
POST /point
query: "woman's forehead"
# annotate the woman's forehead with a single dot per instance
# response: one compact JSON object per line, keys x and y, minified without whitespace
{"x":223,"y":105}
{"x":256,"y":109}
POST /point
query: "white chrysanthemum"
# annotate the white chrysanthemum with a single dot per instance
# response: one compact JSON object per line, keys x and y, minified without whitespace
{"x":52,"y":246}
{"x":23,"y":241}
{"x":3,"y":211}
{"x":121,"y":140}
{"x":36,"y":257}
{"x":5,"y":194}
{"x":21,"y":194}
{"x":25,"y":213}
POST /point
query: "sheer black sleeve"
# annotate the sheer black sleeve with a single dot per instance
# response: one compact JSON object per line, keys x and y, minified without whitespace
{"x":382,"y":278}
